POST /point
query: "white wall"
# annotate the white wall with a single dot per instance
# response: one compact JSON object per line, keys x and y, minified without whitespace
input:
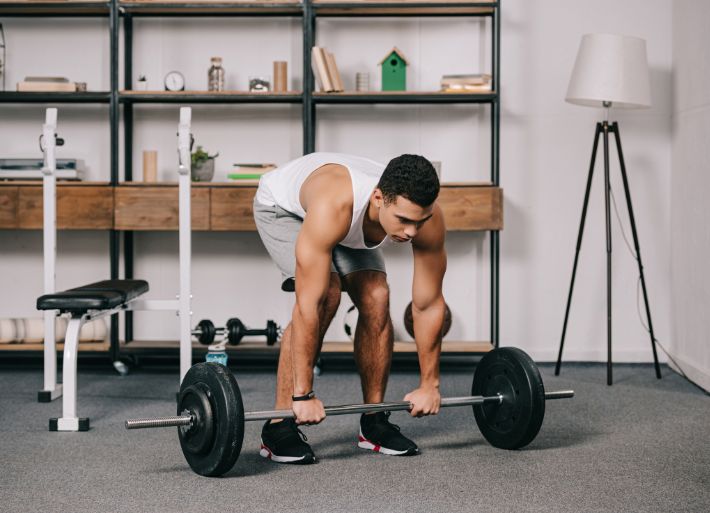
{"x":690,"y":241}
{"x":545,"y":147}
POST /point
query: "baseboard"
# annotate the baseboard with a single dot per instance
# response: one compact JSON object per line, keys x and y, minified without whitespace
{"x":701,"y":377}
{"x":596,"y":355}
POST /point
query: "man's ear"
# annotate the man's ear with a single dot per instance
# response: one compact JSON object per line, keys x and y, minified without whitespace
{"x":377,"y":196}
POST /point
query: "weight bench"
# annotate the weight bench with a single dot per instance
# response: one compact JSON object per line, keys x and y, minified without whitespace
{"x":84,"y":304}
{"x":109,"y":297}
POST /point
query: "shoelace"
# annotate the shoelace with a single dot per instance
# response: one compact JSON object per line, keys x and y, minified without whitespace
{"x":387,"y":420}
{"x":287,"y":434}
{"x":302,"y":434}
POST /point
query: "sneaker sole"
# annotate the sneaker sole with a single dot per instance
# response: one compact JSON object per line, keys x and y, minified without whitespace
{"x":307,"y":459}
{"x":364,"y":443}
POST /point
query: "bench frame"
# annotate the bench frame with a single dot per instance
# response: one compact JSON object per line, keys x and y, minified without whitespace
{"x":182,"y":305}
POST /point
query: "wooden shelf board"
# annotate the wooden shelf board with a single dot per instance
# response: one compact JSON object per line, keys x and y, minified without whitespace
{"x":286,"y":7}
{"x":209,"y":93}
{"x":401,"y":93}
{"x":241,"y":183}
{"x":328,"y":347}
{"x":60,"y":183}
{"x":83,"y":347}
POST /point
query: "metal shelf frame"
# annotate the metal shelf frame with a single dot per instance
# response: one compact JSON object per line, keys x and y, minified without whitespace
{"x":309,"y":10}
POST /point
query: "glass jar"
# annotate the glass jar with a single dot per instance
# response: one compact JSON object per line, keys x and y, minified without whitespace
{"x":215,"y":75}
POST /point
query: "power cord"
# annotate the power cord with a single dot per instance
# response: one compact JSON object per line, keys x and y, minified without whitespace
{"x":638,"y":286}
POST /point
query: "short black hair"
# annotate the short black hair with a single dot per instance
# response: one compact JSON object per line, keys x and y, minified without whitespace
{"x":410,"y":176}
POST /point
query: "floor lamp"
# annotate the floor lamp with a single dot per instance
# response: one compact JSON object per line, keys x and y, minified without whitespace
{"x":610,"y":71}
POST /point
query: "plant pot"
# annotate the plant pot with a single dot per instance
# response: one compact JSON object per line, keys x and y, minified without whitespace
{"x":203,"y":172}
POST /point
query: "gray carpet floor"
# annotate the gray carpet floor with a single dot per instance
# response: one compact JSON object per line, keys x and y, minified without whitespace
{"x":641,"y":445}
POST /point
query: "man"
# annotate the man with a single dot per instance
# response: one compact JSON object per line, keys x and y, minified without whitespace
{"x":324,"y":218}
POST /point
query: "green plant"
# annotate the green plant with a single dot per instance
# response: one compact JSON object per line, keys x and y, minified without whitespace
{"x":200,"y":156}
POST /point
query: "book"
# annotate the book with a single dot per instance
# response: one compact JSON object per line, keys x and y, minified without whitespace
{"x":250,"y":173}
{"x":43,"y":87}
{"x":320,"y":69}
{"x":333,"y":71}
{"x":466,"y":88}
{"x":475,"y":79}
{"x":466,"y":83}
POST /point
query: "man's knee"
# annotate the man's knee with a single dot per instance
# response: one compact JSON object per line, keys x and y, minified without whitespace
{"x":375,"y":299}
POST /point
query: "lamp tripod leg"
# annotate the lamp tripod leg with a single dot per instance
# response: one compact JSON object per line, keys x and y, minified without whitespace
{"x":579,"y":245}
{"x":615,"y":129}
{"x":607,"y":212}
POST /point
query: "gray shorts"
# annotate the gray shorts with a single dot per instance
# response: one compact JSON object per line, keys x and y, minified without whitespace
{"x":279,"y":229}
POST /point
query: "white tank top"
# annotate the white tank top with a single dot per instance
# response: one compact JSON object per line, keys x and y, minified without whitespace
{"x":282,"y":187}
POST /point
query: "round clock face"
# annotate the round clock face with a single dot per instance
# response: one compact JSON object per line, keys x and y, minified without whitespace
{"x":174,"y":81}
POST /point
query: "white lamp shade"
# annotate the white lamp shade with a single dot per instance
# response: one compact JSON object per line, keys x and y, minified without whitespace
{"x":610,"y":68}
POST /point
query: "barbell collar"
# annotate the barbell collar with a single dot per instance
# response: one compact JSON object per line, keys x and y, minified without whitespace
{"x":176,"y":421}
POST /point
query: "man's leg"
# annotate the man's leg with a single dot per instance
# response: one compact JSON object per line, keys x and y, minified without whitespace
{"x":374,"y":342}
{"x":374,"y":336}
{"x":284,"y":380}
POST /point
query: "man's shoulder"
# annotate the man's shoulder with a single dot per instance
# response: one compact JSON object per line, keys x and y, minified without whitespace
{"x":329,"y":185}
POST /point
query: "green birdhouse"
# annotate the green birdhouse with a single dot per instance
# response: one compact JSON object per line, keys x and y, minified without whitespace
{"x":394,"y":71}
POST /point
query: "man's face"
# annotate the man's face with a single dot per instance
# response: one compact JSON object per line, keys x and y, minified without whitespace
{"x":401,"y":219}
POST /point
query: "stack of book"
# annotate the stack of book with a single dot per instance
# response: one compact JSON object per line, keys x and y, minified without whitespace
{"x":46,"y":84}
{"x":326,"y":71}
{"x":249,"y":173}
{"x":472,"y":83}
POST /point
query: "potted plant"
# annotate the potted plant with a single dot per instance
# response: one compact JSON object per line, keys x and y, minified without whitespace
{"x":202,"y":165}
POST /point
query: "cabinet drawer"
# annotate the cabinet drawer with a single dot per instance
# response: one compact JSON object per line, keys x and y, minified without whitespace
{"x":8,"y":207}
{"x":156,"y":208}
{"x":472,"y":208}
{"x":79,"y":207}
{"x":232,"y":209}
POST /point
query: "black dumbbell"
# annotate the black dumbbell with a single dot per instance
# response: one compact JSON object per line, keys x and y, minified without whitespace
{"x":206,"y":332}
{"x":236,"y":331}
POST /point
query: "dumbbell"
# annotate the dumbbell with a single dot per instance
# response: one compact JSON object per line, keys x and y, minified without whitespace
{"x":206,"y":332}
{"x":236,"y":331}
{"x":507,"y":396}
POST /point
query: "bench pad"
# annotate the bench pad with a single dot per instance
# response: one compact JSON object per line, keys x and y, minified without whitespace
{"x":102,"y":295}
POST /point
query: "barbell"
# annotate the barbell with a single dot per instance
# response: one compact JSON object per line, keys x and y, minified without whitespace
{"x":508,"y":400}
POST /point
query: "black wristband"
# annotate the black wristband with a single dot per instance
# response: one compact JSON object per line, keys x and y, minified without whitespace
{"x":310,"y":395}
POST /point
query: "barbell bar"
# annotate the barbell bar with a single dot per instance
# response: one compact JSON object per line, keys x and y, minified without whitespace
{"x":345,"y":409}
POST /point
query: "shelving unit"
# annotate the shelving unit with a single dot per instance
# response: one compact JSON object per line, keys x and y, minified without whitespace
{"x":124,"y":99}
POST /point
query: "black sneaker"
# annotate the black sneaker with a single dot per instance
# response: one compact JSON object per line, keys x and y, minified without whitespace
{"x":379,"y":435}
{"x":283,"y":442}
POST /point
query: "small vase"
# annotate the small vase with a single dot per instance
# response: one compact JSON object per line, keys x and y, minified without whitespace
{"x":203,"y":172}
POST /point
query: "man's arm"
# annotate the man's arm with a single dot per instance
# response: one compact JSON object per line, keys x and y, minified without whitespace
{"x":428,"y":308}
{"x":323,"y":227}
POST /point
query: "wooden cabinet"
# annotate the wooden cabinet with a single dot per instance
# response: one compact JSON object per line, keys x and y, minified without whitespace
{"x":215,"y":207}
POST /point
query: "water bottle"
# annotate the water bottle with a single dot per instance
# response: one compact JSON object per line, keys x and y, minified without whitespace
{"x":217,"y":354}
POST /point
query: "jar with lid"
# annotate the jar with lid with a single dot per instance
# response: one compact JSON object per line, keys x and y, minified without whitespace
{"x":215,"y":75}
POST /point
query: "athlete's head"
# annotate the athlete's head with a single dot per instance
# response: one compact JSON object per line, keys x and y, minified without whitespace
{"x":405,"y":195}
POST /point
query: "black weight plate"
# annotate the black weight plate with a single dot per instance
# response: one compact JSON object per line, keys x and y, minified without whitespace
{"x":272,"y":332}
{"x":207,"y":332}
{"x":235,"y":331}
{"x":515,"y":422}
{"x":195,"y":400}
{"x":409,"y":321}
{"x":222,"y":391}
